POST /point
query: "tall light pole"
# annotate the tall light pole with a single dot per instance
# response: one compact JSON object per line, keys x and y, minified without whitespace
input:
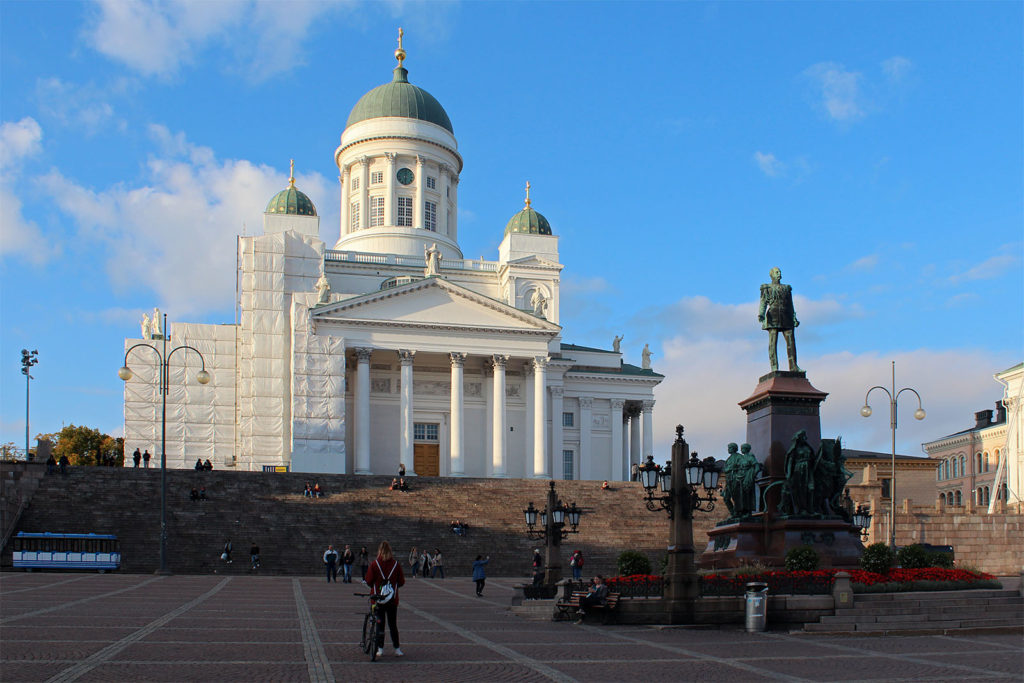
{"x":681,"y":483}
{"x":28,"y":359}
{"x":552,"y":528}
{"x":202,"y":377}
{"x":919,"y":414}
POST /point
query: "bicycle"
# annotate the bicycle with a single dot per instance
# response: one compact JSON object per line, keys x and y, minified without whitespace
{"x":373,"y":628}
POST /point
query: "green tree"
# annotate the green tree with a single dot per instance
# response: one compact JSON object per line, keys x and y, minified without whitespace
{"x":8,"y":451}
{"x":82,"y":445}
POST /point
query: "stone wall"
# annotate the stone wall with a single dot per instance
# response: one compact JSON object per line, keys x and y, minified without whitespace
{"x":993,"y":543}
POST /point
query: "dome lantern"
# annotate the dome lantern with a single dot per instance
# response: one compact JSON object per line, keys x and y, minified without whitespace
{"x":291,"y":200}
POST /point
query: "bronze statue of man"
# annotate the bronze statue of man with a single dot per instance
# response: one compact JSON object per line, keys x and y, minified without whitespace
{"x":776,"y":314}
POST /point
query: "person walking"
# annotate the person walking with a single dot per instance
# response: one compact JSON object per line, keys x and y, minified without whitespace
{"x":538,"y":568}
{"x":480,"y":574}
{"x":364,"y":562}
{"x":414,"y":561}
{"x":385,"y":572}
{"x":347,"y":559}
{"x":254,"y":556}
{"x":331,"y":563}
{"x":437,"y":563}
{"x":226,"y":553}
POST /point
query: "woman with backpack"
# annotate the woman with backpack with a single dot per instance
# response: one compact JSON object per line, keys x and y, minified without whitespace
{"x":385,"y":577}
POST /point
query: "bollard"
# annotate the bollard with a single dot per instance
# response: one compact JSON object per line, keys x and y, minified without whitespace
{"x":757,"y":606}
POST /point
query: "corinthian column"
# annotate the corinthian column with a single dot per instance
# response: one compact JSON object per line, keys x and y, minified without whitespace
{"x":586,"y":421}
{"x":540,"y":418}
{"x":389,"y":183}
{"x":498,"y":454}
{"x":618,"y":463}
{"x":648,"y":429}
{"x":362,"y":410}
{"x":456,"y":466}
{"x":405,"y":357}
{"x":556,"y":430}
{"x":417,"y":203}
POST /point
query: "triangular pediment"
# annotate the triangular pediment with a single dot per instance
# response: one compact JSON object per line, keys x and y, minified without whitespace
{"x":432,"y":302}
{"x":534,"y":262}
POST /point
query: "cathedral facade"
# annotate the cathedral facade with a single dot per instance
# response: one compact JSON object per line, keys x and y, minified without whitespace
{"x":391,"y":348}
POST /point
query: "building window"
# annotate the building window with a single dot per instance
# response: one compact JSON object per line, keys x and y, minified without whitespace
{"x":945,"y":469}
{"x":959,"y":499}
{"x":984,"y":463}
{"x":942,"y":499}
{"x":404,"y":211}
{"x":977,"y":462}
{"x":886,"y":488}
{"x":430,"y":216}
{"x":354,"y":210}
{"x":567,"y":420}
{"x":963,"y":466}
{"x":567,"y":465}
{"x":355,"y":183}
{"x":988,"y":495}
{"x":1003,"y":492}
{"x":376,"y":211}
{"x":424,"y":431}
{"x":953,"y":467}
{"x":377,"y":177}
{"x":431,"y":183}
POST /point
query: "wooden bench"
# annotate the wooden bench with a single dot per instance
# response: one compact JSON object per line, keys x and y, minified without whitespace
{"x":573,"y":603}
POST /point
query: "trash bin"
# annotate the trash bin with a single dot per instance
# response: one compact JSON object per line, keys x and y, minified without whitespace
{"x":757,"y":606}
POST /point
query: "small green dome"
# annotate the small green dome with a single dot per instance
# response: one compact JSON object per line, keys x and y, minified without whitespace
{"x":528,"y":221}
{"x":291,"y":201}
{"x":400,"y":98}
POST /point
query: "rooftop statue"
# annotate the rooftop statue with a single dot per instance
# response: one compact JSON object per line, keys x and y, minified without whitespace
{"x":616,"y":343}
{"x":157,"y":332}
{"x":539,"y":303}
{"x":433,"y":256}
{"x":645,"y":358}
{"x":323,"y":290}
{"x":776,"y":314}
{"x":147,"y":327}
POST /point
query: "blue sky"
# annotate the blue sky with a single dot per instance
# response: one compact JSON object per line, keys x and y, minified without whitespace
{"x":872,"y":151}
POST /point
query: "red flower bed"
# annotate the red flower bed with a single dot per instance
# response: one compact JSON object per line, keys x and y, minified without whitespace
{"x":820,"y":581}
{"x":619,"y":581}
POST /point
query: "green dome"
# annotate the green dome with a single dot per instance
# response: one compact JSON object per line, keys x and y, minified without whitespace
{"x":400,"y":98}
{"x":291,"y":201}
{"x":528,"y":221}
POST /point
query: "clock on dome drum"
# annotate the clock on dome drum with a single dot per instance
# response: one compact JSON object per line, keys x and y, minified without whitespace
{"x":405,"y":176}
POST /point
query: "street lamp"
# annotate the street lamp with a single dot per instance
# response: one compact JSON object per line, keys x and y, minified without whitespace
{"x":680,"y":482}
{"x":552,"y":527}
{"x":203,"y":377}
{"x":28,"y":359}
{"x":862,"y":518}
{"x":918,"y":415}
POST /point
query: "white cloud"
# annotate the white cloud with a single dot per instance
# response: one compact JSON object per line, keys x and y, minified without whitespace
{"x":992,"y":267}
{"x":19,"y":140}
{"x":583,"y":285}
{"x":896,"y":68}
{"x":768,"y":164}
{"x":72,"y":104}
{"x":864,"y":263}
{"x":707,"y":378}
{"x":840,"y":91}
{"x":175,"y":234}
{"x":19,"y":236}
{"x":159,"y":38}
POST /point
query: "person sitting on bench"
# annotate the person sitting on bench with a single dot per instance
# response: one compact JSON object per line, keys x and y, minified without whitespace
{"x":597,"y":595}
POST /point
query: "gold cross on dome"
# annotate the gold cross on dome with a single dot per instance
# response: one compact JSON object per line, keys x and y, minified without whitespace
{"x":527,"y":194}
{"x":291,"y":173}
{"x":400,"y":52}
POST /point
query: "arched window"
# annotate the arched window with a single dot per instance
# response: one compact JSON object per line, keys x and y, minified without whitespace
{"x":942,"y":499}
{"x":995,"y":460}
{"x":959,"y":499}
{"x":963,"y":466}
{"x":977,"y":462}
{"x":954,"y":467}
{"x":988,"y":495}
{"x":945,"y":469}
{"x":1003,"y":491}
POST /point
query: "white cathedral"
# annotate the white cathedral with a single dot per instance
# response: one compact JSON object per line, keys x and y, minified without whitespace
{"x":391,"y":348}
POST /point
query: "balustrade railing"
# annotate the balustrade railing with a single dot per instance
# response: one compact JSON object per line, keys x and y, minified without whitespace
{"x":337,"y":256}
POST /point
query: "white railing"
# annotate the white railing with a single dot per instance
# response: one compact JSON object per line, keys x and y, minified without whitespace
{"x":336,"y":256}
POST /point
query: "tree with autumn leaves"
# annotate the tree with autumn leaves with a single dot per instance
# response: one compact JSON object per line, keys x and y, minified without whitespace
{"x":86,"y":446}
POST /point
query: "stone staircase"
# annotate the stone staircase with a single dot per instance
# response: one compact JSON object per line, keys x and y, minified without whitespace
{"x":927,"y":612}
{"x":293,"y":531}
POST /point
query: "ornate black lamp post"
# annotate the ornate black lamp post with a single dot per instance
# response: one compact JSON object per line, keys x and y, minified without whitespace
{"x":553,"y":519}
{"x":28,"y":359}
{"x":862,"y":518}
{"x":680,"y":482}
{"x":919,"y":414}
{"x":202,"y":377}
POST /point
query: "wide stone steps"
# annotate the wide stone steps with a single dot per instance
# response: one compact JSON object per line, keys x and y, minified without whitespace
{"x":293,"y":531}
{"x":927,"y":612}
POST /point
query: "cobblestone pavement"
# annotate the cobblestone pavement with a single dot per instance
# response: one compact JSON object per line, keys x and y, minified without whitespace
{"x":123,"y":627}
